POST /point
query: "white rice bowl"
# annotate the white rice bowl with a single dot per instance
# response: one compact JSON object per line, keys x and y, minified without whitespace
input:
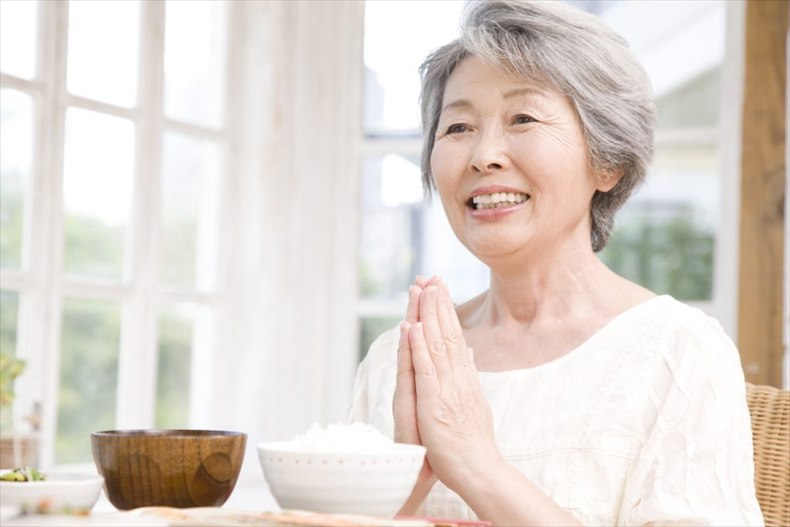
{"x":341,"y":469}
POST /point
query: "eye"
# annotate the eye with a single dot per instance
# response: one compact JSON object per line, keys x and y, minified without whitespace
{"x":524,"y":119}
{"x":457,"y":128}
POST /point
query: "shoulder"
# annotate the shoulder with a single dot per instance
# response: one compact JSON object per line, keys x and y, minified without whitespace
{"x":686,"y":329}
{"x":690,"y":350}
{"x":383,"y":350}
{"x":375,"y":383}
{"x":669,"y":345}
{"x":694,"y":424}
{"x":381,"y":360}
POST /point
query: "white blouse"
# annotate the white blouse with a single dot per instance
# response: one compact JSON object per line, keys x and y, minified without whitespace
{"x":645,"y":422}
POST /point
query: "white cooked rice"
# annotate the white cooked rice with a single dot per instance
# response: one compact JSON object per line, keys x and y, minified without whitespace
{"x":354,"y":437}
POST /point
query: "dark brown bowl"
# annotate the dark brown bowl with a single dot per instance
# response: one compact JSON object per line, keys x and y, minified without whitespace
{"x":173,"y":468}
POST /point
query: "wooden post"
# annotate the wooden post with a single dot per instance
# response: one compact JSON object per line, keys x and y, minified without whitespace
{"x":763,"y":175}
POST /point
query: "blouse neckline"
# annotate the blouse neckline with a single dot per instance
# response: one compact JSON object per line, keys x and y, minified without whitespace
{"x":618,"y":319}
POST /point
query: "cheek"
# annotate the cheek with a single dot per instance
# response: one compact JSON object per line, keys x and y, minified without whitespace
{"x":447,"y":167}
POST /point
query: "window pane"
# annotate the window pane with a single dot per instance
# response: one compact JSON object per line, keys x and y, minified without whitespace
{"x":103,"y":48}
{"x":391,"y":225}
{"x":664,"y":236}
{"x":189,"y":211}
{"x":18,"y":21}
{"x":443,"y":254}
{"x":9,"y":315}
{"x":97,"y":192}
{"x":173,"y":386}
{"x":392,"y":82}
{"x":88,"y":376}
{"x":693,"y":104}
{"x":402,"y":237}
{"x":195,"y":43}
{"x":16,"y":144}
{"x":9,"y":320}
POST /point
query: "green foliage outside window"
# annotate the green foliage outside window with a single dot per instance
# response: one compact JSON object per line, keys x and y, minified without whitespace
{"x":12,"y":212}
{"x":88,"y":376}
{"x":173,"y":376}
{"x":671,"y":255}
{"x":93,"y":247}
{"x":9,"y":308}
{"x":8,"y":367}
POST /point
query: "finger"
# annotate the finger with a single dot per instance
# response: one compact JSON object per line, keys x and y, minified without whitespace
{"x":434,"y":280}
{"x":404,"y":351}
{"x":421,"y":281}
{"x":425,"y":380}
{"x":432,"y":331}
{"x":450,"y":327}
{"x":404,"y":401}
{"x":413,"y":309}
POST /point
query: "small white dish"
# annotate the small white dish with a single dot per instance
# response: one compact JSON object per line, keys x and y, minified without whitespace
{"x":60,"y":492}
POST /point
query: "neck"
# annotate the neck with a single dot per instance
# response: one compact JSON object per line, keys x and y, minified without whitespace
{"x":546,"y":285}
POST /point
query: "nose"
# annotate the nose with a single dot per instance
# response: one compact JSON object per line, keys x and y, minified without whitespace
{"x":489,"y":153}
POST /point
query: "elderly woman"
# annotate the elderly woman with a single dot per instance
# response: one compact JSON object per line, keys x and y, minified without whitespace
{"x":564,"y":393}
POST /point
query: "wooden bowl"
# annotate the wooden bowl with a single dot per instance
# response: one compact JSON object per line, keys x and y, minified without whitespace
{"x":173,"y":468}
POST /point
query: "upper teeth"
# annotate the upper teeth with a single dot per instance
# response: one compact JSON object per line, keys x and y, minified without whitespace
{"x":499,"y":197}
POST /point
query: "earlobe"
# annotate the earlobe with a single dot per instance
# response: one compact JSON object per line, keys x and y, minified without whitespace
{"x":607,"y":179}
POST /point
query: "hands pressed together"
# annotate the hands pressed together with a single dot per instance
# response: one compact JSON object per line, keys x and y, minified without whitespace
{"x":438,"y":401}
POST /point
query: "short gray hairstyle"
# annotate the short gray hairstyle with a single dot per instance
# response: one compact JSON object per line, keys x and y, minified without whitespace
{"x":558,"y":46}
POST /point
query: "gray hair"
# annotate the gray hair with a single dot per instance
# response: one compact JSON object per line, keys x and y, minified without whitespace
{"x":569,"y":50}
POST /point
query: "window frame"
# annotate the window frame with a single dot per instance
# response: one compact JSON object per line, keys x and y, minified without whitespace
{"x":41,"y":283}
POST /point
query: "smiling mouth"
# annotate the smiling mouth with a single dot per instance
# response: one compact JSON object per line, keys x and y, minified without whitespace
{"x":497,"y":200}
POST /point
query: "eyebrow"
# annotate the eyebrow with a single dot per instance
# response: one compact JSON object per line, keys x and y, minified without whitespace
{"x":527,"y":90}
{"x":515,"y":92}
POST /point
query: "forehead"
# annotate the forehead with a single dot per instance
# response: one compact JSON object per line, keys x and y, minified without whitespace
{"x":474,"y":77}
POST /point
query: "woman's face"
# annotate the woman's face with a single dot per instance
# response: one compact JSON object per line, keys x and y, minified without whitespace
{"x":510,"y":164}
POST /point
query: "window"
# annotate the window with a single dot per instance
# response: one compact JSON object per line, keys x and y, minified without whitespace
{"x":169,"y":256}
{"x":400,"y":236}
{"x":138,"y":232}
{"x":665,"y":237}
{"x":115,"y":140}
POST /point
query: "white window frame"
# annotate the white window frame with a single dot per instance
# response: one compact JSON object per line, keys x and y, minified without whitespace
{"x":283,"y":355}
{"x":41,"y":284}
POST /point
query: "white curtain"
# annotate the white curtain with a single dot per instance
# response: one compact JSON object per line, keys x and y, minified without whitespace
{"x":287,"y":337}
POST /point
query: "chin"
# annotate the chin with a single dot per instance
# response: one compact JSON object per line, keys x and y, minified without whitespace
{"x":489,"y":250}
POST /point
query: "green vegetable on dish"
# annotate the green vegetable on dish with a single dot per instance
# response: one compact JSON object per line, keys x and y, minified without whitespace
{"x":23,"y":474}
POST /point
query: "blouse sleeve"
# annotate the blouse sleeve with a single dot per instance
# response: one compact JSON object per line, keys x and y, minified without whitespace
{"x":371,"y":399}
{"x":695,"y":465}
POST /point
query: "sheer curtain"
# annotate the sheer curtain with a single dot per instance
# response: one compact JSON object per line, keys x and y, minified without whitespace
{"x":286,"y":343}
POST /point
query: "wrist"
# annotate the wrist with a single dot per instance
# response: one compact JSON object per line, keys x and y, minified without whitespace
{"x":479,"y":475}
{"x":419,"y":493}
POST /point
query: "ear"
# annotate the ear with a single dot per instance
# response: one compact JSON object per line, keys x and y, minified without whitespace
{"x":607,"y":179}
